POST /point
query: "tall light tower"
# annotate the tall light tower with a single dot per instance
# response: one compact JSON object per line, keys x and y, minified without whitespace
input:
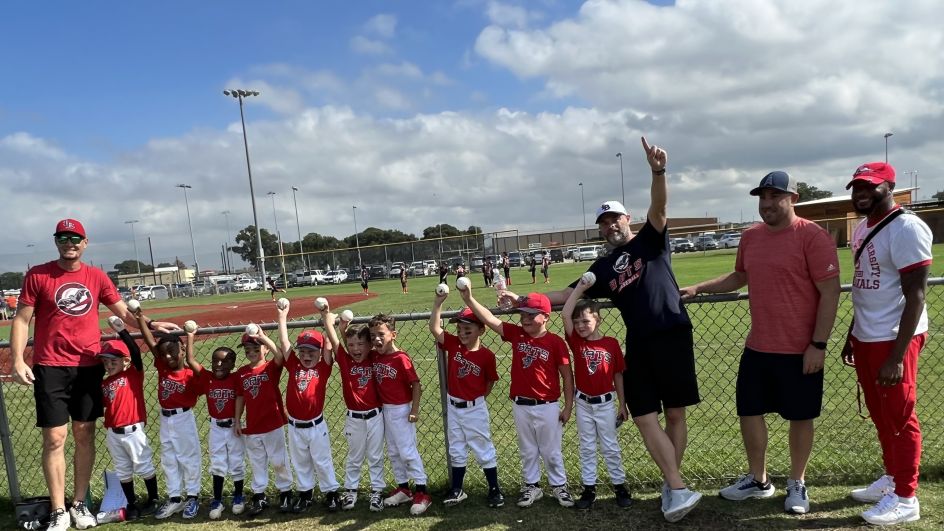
{"x":228,"y":250}
{"x":622,"y":182}
{"x":886,"y":146}
{"x":583,"y":210}
{"x":134,"y":243}
{"x":278,"y":236}
{"x":357,"y":240}
{"x":298,"y":226}
{"x":196,"y":263}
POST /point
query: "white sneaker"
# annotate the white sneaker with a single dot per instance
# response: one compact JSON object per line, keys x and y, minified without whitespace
{"x":563,"y":496}
{"x":58,"y":520}
{"x":891,"y":510}
{"x":681,"y":502}
{"x":747,"y":487}
{"x":216,"y":509}
{"x":399,"y":496}
{"x":529,"y":495}
{"x":348,"y":499}
{"x":797,"y":501}
{"x":874,"y":492}
{"x":81,"y":516}
{"x":665,"y":495}
{"x":170,"y":508}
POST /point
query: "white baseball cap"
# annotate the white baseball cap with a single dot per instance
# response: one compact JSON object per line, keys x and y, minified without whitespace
{"x":611,"y":206}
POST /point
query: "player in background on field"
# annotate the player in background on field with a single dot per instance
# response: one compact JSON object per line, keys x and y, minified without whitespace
{"x":259,"y":395}
{"x":545,"y":266}
{"x":309,"y":366}
{"x":178,"y":390}
{"x":404,"y":288}
{"x":540,"y":362}
{"x":471,"y":373}
{"x":363,"y":425}
{"x":126,"y":416}
{"x":273,"y":289}
{"x":225,"y":446}
{"x":598,"y":376}
{"x":365,"y":279}
{"x":506,"y":265}
{"x":532,"y":268}
{"x":400,"y":390}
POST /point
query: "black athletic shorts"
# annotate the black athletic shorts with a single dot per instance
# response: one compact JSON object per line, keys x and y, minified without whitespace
{"x":660,"y":372}
{"x":67,"y":392}
{"x":775,"y":383}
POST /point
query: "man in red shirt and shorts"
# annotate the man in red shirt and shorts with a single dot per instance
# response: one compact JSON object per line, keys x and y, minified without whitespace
{"x":64,"y":295}
{"x":791,"y":270}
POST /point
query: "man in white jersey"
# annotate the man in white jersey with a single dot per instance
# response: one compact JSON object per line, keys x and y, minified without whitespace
{"x":892,"y":250}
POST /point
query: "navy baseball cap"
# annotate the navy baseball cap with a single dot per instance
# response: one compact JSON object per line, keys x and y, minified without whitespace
{"x":777,"y":180}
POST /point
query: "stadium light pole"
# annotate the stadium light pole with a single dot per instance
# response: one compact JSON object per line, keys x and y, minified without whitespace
{"x":583,"y":209}
{"x":357,"y":240}
{"x":622,"y":181}
{"x":278,"y":238}
{"x":196,"y":263}
{"x":298,"y":226}
{"x":239,"y":94}
{"x":134,"y":244}
{"x":886,"y":146}
{"x":228,"y":250}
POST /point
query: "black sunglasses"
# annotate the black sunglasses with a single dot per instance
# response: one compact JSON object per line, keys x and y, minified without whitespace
{"x":74,"y":240}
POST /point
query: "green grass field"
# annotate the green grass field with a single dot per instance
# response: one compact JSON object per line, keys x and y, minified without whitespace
{"x":845,"y":451}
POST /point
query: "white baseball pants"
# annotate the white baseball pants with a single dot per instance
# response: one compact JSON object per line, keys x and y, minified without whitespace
{"x":400,"y":434}
{"x":266,"y":449}
{"x":539,"y":436}
{"x":365,"y":440}
{"x":180,"y":454}
{"x":310,"y":449}
{"x":130,"y":453}
{"x":597,"y":422}
{"x":227,"y":453}
{"x":470,"y":429}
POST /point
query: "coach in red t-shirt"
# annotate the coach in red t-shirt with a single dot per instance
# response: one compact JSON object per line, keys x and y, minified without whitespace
{"x":64,"y":295}
{"x":791,"y":270}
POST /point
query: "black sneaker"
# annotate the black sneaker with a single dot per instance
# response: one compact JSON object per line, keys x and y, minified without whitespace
{"x":259,"y":504}
{"x":454,"y":497}
{"x":587,"y":497}
{"x":285,"y":502}
{"x":302,"y":503}
{"x":149,"y":507}
{"x":495,"y":498}
{"x":333,"y":501}
{"x":132,"y":513}
{"x":624,"y":498}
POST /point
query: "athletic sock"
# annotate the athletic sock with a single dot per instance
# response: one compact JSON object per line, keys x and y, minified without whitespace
{"x":458,"y":476}
{"x":420,"y":488}
{"x":151,"y":485}
{"x":128,"y":489}
{"x":218,"y":488}
{"x":175,"y":499}
{"x":491,"y":476}
{"x":238,"y":488}
{"x":405,"y":485}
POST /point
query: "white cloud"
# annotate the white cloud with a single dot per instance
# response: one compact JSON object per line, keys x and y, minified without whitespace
{"x":503,"y":14}
{"x":383,"y":25}
{"x":366,"y":46}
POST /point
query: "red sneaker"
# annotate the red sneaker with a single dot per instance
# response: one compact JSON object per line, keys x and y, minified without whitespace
{"x":421,"y":502}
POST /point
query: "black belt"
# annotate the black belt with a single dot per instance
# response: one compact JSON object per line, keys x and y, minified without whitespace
{"x":523,"y":401}
{"x":601,"y":399}
{"x":462,"y":404}
{"x":228,"y":423}
{"x":308,"y":423}
{"x":125,"y":429}
{"x":172,"y":412}
{"x":364,"y":416}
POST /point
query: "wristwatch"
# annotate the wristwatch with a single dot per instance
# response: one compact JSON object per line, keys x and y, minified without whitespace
{"x":819,"y":344}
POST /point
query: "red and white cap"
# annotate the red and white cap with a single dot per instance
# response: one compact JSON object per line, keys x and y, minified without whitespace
{"x":114,"y":349}
{"x":873,"y":173}
{"x":535,"y":303}
{"x":309,"y":339}
{"x":466,"y":316}
{"x":69,"y":226}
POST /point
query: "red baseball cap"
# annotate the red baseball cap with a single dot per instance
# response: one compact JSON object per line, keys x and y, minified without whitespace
{"x":874,"y":173}
{"x":249,"y":340}
{"x":309,"y":339}
{"x":114,"y":349}
{"x":466,"y":316}
{"x":535,"y":303}
{"x":70,"y":225}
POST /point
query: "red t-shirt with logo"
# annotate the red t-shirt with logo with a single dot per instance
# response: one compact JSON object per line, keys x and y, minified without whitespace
{"x":596,"y":363}
{"x":357,"y":382}
{"x":178,"y":388}
{"x":220,"y":394}
{"x":468,"y":372}
{"x":262,"y":399}
{"x":535,"y":363}
{"x":123,"y":398}
{"x":305,"y":393}
{"x":395,"y":375}
{"x":65,"y":306}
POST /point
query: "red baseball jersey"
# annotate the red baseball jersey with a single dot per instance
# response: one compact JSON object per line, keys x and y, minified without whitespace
{"x":357,"y":382}
{"x":178,"y":388}
{"x":394,"y":373}
{"x":468,"y":372}
{"x":305,"y":393}
{"x":65,"y":303}
{"x":262,"y":399}
{"x":535,"y":363}
{"x":220,"y":394}
{"x":123,"y":398}
{"x":596,"y":363}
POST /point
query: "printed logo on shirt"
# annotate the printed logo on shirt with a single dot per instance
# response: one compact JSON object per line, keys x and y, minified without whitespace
{"x":531,"y":353}
{"x":72,"y":298}
{"x":874,"y":269}
{"x":221,"y":397}
{"x":594,"y":358}
{"x":628,"y":271}
{"x":382,"y":371}
{"x":466,"y":367}
{"x":112,"y":388}
{"x":169,"y":387}
{"x":363,"y":375}
{"x":253,"y":383}
{"x":304,"y":376}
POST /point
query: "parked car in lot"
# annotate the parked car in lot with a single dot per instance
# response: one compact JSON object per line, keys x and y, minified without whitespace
{"x":477,"y":263}
{"x":730,"y":240}
{"x":515,"y":259}
{"x":432,"y":268}
{"x":395,"y":269}
{"x":378,"y":271}
{"x":588,"y":253}
{"x":336,"y":276}
{"x":245,"y":284}
{"x":454,"y":262}
{"x":156,"y":292}
{"x":557,"y":255}
{"x":705,"y":243}
{"x":125,"y":293}
{"x":311,"y":277}
{"x":418,"y":269}
{"x":681,"y":245}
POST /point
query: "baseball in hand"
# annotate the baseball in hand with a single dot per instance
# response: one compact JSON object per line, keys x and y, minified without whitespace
{"x":282,"y":303}
{"x":347,"y":315}
{"x":588,"y":278}
{"x":134,"y":305}
{"x":463,"y":283}
{"x":252,"y":329}
{"x":190,"y":326}
{"x":116,"y":323}
{"x":442,"y":290}
{"x":321,"y":303}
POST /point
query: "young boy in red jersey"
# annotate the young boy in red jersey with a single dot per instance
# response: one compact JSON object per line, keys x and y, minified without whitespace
{"x":540,"y":361}
{"x":259,"y":395}
{"x":400,"y":392}
{"x":363,"y":425}
{"x":471,"y":373}
{"x":598,"y":375}
{"x":227,"y":452}
{"x":309,"y":367}
{"x":178,"y":391}
{"x":126,"y":416}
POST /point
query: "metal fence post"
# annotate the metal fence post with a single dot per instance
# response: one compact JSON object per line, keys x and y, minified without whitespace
{"x":443,"y":399}
{"x":7,"y":444}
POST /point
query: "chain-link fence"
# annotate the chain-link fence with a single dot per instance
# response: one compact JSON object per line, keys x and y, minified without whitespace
{"x":846,"y":447}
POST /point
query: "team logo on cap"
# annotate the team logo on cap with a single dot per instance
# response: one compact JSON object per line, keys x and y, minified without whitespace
{"x":605,"y":207}
{"x":863,"y":169}
{"x":72,"y":298}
